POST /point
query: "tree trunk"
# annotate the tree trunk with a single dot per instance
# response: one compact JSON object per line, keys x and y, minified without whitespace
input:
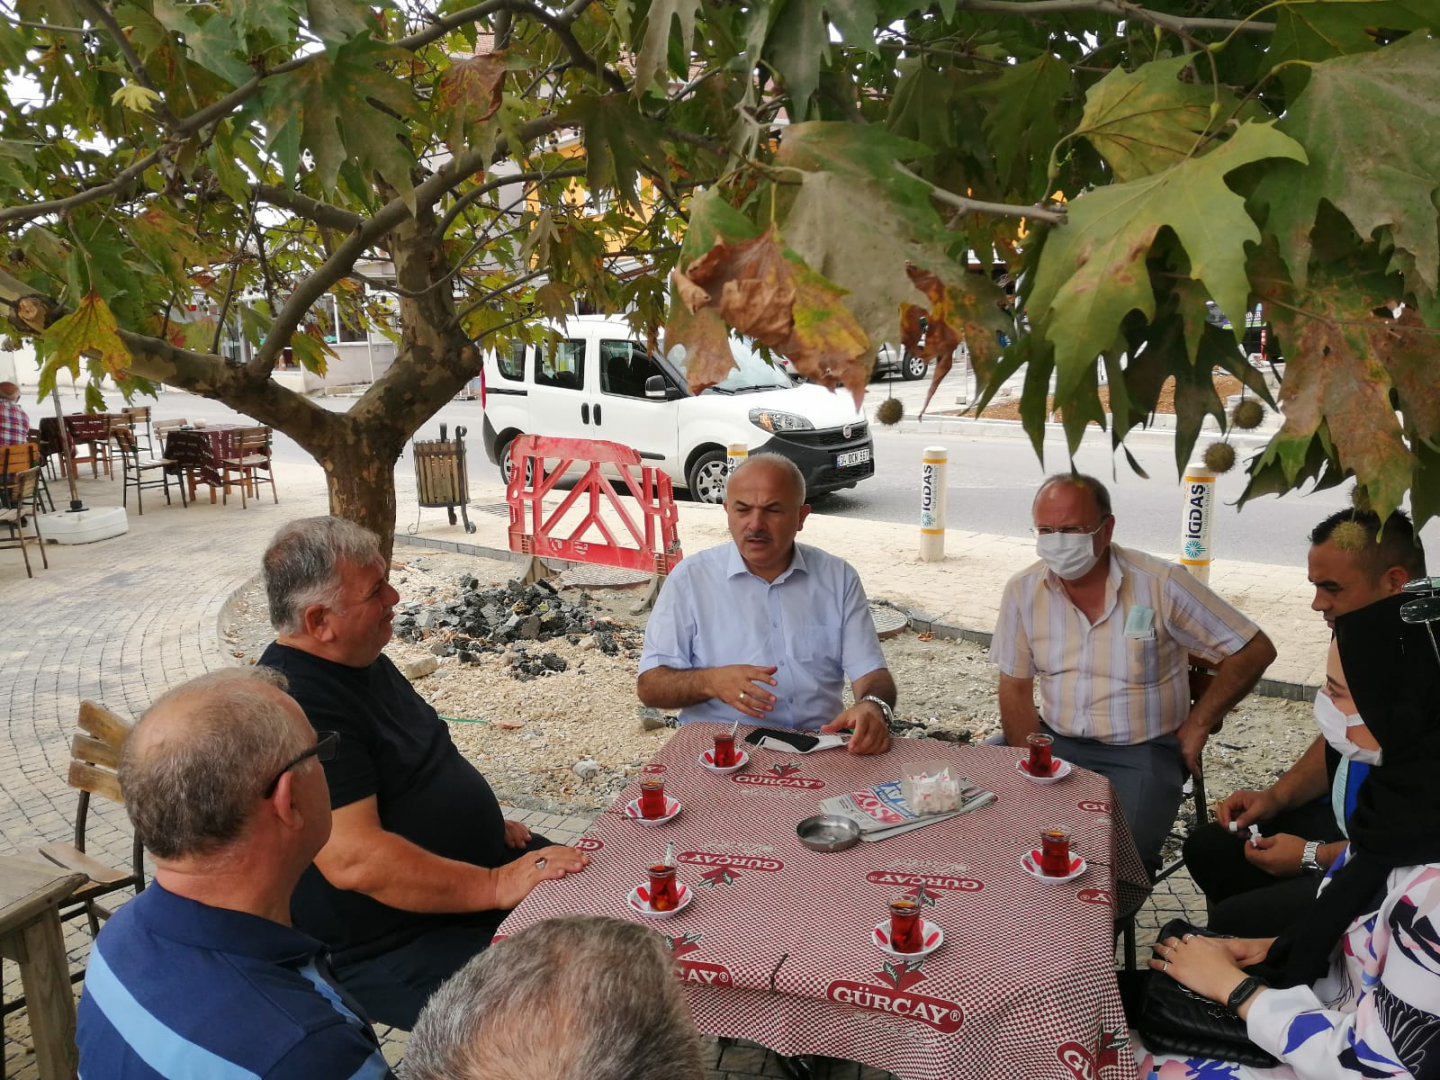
{"x":360,"y":473}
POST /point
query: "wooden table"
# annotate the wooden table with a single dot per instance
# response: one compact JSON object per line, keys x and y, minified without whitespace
{"x":31,"y":893}
{"x":775,"y":945}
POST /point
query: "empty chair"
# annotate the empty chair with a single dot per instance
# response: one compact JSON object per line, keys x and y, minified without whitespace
{"x":94,"y":757}
{"x":22,"y":456}
{"x":250,"y":458}
{"x":136,"y":470}
{"x":138,"y":417}
{"x":19,"y":506}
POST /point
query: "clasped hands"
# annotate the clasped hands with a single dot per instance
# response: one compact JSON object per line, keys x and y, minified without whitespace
{"x":744,"y":687}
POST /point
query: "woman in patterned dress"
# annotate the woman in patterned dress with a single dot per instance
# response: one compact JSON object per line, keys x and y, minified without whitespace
{"x":1352,"y":990}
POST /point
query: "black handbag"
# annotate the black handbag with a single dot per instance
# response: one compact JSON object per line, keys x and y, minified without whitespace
{"x":1180,"y":1021}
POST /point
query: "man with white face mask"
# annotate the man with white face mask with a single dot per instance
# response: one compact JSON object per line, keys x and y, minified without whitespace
{"x":1257,"y":890}
{"x":1108,"y":633}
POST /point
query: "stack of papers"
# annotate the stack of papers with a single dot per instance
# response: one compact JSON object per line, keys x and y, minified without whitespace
{"x":881,"y":811}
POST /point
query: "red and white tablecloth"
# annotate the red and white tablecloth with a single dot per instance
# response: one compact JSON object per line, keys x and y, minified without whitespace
{"x":776,"y":947}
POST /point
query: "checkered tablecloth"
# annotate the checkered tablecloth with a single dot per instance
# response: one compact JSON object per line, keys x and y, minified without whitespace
{"x":776,"y":947}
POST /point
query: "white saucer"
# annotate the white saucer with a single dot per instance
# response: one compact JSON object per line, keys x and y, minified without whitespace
{"x":632,"y":811}
{"x":1062,"y":770}
{"x":640,"y":904}
{"x":930,"y":933}
{"x":1031,"y":862}
{"x":707,"y":759}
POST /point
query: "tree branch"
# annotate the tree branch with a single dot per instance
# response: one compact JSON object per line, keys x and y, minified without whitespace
{"x":1117,"y":8}
{"x":322,"y":213}
{"x":132,"y":59}
{"x":485,"y":298}
{"x":498,"y":181}
{"x":976,"y":206}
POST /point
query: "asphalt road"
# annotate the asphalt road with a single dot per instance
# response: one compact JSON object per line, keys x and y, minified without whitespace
{"x":990,"y":483}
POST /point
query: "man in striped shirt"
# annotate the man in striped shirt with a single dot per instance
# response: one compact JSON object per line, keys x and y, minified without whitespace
{"x":202,"y":975}
{"x":1108,"y":634}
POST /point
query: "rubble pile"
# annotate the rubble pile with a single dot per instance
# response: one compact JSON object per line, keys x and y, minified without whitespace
{"x":469,"y":621}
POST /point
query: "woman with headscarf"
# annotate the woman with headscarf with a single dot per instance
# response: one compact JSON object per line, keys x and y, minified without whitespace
{"x":1352,"y":990}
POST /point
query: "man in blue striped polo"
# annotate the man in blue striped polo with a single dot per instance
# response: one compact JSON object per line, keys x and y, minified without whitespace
{"x":202,"y":975}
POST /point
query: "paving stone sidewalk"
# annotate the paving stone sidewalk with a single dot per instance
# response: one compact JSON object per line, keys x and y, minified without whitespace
{"x":122,"y":621}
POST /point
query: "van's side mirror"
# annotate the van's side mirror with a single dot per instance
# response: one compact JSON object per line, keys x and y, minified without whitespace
{"x":658,"y":390}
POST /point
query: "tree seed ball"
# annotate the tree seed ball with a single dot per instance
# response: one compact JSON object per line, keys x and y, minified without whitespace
{"x":890,"y":411}
{"x":1219,"y":457}
{"x":1360,"y":499}
{"x":1248,"y":414}
{"x":1350,"y":536}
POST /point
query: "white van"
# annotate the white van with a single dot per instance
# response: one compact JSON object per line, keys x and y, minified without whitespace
{"x":598,"y":382}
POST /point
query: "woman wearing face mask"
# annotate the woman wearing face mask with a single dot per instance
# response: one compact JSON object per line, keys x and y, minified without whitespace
{"x":1352,"y":989}
{"x":1344,"y":729}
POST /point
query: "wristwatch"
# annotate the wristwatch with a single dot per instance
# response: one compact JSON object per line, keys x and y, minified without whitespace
{"x":1241,"y":993}
{"x":884,"y":708}
{"x":1308,"y":862}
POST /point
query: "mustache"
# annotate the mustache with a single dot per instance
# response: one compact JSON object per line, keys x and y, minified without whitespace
{"x":757,"y":535}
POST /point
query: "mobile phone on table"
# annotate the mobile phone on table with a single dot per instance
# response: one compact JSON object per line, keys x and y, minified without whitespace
{"x":798,"y":739}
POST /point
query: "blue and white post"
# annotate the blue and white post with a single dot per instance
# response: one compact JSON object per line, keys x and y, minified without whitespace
{"x":933,"y":466}
{"x":1197,"y":520}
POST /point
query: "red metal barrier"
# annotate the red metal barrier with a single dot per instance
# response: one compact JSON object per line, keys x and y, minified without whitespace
{"x":532,"y":528}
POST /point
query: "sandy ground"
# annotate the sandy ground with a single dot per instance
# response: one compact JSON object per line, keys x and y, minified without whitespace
{"x":527,"y":735}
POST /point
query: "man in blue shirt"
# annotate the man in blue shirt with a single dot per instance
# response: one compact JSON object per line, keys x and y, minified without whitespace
{"x":768,"y":629}
{"x":202,"y":975}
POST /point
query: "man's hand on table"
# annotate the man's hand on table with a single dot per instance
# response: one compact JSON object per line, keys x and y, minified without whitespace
{"x":742,"y":687}
{"x":516,"y":834}
{"x":867,"y":720}
{"x":1244,"y":807}
{"x":513,"y":881}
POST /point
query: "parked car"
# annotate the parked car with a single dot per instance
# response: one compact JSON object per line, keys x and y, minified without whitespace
{"x":898,"y":360}
{"x":596,"y":381}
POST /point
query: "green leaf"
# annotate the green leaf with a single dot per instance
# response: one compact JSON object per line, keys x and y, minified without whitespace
{"x":209,"y":36}
{"x":89,"y":330}
{"x":1021,"y":125}
{"x":870,"y":154}
{"x":797,"y":44}
{"x":655,"y":46}
{"x":619,"y":139}
{"x":1377,"y":172}
{"x":1092,"y":270}
{"x":311,"y":350}
{"x":337,"y":21}
{"x":170,"y":243}
{"x":273,"y":18}
{"x":1316,"y":30}
{"x":1145,"y":121}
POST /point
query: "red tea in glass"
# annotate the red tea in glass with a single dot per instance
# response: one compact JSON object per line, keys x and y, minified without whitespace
{"x":1055,"y":852}
{"x":725,"y":749}
{"x":652,"y":792}
{"x":906,"y":926}
{"x":664,"y":891}
{"x":1041,"y":762}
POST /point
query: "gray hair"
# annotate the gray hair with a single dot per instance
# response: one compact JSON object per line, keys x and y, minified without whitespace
{"x":301,"y":566}
{"x":1098,"y":491}
{"x":195,"y":764}
{"x":778,"y":461}
{"x":574,"y":998}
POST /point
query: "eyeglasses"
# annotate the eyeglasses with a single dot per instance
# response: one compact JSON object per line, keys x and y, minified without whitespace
{"x":326,"y":743}
{"x":1064,"y":530}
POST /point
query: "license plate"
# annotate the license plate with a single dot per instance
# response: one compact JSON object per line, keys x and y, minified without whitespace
{"x":854,"y":457}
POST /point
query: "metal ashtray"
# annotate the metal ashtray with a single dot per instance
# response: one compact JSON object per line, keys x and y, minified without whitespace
{"x":828,"y":832}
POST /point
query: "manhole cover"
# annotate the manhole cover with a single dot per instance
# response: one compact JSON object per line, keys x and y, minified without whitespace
{"x":601,"y":577}
{"x":889,"y":621}
{"x":500,"y":509}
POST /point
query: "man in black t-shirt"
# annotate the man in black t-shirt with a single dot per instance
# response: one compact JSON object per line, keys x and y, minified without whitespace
{"x":420,"y":866}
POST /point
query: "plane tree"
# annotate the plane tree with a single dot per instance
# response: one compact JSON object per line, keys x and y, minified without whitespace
{"x":823,"y":175}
